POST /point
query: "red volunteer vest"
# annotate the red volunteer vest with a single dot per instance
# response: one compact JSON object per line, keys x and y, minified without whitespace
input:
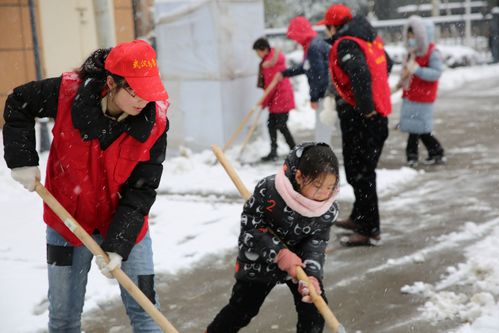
{"x":85,"y":179}
{"x":376,"y":61}
{"x":420,"y":90}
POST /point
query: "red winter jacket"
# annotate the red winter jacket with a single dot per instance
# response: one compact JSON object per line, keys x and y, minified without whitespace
{"x":281,"y":99}
{"x":85,"y":179}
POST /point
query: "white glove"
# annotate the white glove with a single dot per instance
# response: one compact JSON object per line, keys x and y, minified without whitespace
{"x":106,"y":268}
{"x":412,"y":66}
{"x":26,"y":176}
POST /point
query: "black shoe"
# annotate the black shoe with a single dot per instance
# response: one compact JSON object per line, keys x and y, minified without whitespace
{"x":434,"y":160}
{"x":272,"y":156}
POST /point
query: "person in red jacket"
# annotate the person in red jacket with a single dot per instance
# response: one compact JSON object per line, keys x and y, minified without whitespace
{"x":280,"y":100}
{"x":104,"y":165}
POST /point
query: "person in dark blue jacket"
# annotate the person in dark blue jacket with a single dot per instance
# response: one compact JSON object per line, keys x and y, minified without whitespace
{"x":315,"y":66}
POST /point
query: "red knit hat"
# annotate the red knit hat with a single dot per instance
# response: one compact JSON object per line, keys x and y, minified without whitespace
{"x":336,"y":15}
{"x":136,"y":62}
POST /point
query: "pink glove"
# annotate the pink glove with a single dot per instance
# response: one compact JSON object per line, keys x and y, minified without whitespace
{"x":287,"y":261}
{"x":304,"y":290}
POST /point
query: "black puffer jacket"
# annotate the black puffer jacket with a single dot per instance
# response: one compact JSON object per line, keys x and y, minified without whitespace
{"x":266,"y":212}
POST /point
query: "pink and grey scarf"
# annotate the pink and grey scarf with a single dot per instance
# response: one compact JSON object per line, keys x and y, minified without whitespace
{"x":299,"y":203}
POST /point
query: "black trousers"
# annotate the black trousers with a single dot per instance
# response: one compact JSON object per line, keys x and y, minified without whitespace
{"x":431,"y":143}
{"x":246,"y":300}
{"x":277,"y":121}
{"x":363,"y":139}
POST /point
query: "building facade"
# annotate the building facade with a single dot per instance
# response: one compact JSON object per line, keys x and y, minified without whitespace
{"x":65,"y":31}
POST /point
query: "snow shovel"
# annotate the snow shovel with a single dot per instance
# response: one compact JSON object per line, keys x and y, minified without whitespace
{"x":96,"y":250}
{"x":332,"y":323}
{"x":239,"y":129}
{"x":246,"y":118}
{"x":250,"y":133}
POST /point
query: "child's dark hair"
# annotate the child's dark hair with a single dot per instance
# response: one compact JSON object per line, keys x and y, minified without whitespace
{"x":93,"y":68}
{"x":317,"y":160}
{"x":261,"y":44}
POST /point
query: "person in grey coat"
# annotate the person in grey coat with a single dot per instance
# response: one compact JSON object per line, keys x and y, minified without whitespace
{"x":419,"y":81}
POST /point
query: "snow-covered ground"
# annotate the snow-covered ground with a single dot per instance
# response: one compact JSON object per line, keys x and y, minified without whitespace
{"x":480,"y":272}
{"x":193,"y":183}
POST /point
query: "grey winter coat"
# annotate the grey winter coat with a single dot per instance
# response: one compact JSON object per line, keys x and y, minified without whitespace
{"x":415,"y":117}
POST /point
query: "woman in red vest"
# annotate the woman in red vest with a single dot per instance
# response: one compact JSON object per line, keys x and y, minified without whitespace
{"x":104,"y":165}
{"x":419,"y":82}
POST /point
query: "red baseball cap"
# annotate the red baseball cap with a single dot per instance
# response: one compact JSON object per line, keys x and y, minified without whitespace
{"x":136,"y":62}
{"x":336,"y":15}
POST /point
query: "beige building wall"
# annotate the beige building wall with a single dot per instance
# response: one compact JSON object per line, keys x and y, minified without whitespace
{"x":66,"y":36}
{"x":74,"y":37}
{"x":17,"y":63}
{"x":68,"y":32}
{"x":123,"y":20}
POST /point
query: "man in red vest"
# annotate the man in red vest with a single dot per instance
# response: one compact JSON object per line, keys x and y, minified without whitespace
{"x":104,"y":166}
{"x":359,"y":69}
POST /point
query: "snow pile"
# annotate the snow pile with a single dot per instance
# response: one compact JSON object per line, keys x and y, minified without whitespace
{"x":200,"y":174}
{"x":479,"y":273}
{"x":453,"y":55}
{"x":453,"y":79}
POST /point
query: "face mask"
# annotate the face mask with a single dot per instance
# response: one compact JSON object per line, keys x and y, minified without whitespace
{"x":411,"y":42}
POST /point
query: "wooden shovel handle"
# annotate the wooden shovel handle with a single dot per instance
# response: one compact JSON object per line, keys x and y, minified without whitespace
{"x":250,"y":132}
{"x":96,"y":250}
{"x":247,"y":117}
{"x":239,"y":129}
{"x":321,"y":305}
{"x":319,"y":302}
{"x":267,"y":91}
